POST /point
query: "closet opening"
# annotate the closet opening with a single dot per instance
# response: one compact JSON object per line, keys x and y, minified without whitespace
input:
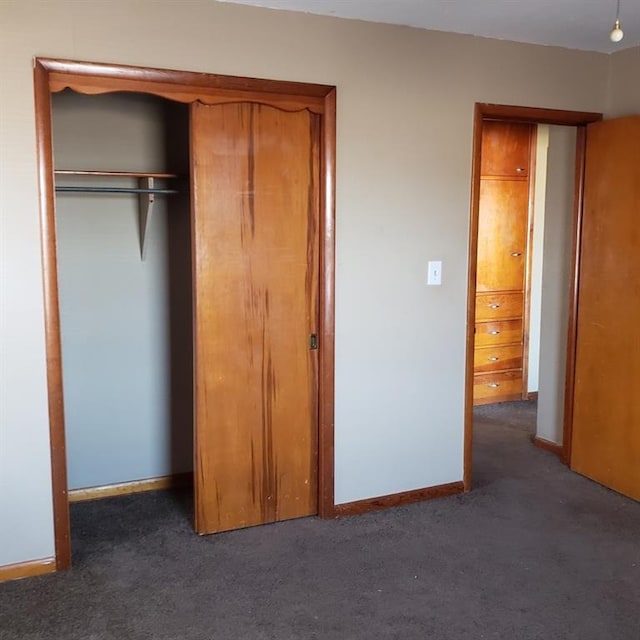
{"x":525,"y":225}
{"x":188,"y":265}
{"x":121,"y":166}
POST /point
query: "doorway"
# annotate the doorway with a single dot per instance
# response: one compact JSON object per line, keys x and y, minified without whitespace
{"x":527,"y":117}
{"x":52,"y":76}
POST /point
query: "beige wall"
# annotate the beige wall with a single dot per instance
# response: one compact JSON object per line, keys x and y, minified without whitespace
{"x":405,"y":110}
{"x":556,"y":280}
{"x":623,"y":97}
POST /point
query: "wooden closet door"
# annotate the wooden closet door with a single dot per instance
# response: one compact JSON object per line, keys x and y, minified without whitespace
{"x":255,"y":173}
{"x":502,"y":235}
{"x":606,"y":410}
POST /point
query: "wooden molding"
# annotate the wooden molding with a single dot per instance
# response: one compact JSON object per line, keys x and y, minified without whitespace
{"x":91,"y":78}
{"x":326,"y":359}
{"x":547,"y":445}
{"x":51,"y":76}
{"x":482,"y":112}
{"x":572,"y":329}
{"x":27,"y":569}
{"x":536,"y":115}
{"x":397,"y":499}
{"x":532,"y":395}
{"x":178,"y":480}
{"x":44,"y":149}
{"x":528,"y":271}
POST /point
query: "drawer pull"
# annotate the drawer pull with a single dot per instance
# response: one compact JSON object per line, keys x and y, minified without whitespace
{"x":495,"y":332}
{"x":493,"y":358}
{"x":516,"y":254}
{"x":493,"y":385}
{"x":519,"y":169}
{"x":495,"y":305}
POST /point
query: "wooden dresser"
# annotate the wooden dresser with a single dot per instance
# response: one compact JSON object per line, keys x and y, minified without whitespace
{"x":503,"y":239}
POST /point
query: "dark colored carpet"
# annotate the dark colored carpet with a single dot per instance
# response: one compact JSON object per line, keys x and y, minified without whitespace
{"x":534,"y":552}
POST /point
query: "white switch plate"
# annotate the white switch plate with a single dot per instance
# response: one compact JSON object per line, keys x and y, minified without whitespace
{"x":435,"y":273}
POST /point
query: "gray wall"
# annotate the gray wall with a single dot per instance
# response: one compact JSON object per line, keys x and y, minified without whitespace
{"x":623,"y":98}
{"x":556,"y":277}
{"x":405,"y":118}
{"x":121,"y":415}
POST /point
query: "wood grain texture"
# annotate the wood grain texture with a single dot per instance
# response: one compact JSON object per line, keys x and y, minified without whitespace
{"x":498,"y":333}
{"x":572,"y":328}
{"x":528,"y":269}
{"x":326,"y":355}
{"x":360,"y":507}
{"x":178,"y":480}
{"x":55,"y":395}
{"x":27,"y":569}
{"x":92,"y":78}
{"x":499,"y":386}
{"x":256,"y":203}
{"x":506,"y":149}
{"x":606,"y":405}
{"x":499,"y":306}
{"x":516,"y":113}
{"x":488,"y":359}
{"x":502,"y":235}
{"x":113,"y":73}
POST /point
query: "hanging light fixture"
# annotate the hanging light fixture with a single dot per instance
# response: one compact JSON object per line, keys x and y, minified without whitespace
{"x":616,"y":33}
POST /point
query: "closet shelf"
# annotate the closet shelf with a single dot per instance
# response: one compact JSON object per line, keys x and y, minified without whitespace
{"x":92,"y":189}
{"x":146,"y":191}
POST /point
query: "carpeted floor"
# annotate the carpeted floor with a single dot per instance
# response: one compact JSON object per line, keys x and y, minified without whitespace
{"x":534,"y":552}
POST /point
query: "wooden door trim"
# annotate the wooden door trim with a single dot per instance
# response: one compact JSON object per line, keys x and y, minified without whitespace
{"x":52,"y":75}
{"x":53,"y":345}
{"x":572,"y":329}
{"x":92,"y":78}
{"x":526,"y":309}
{"x":326,"y":368}
{"x":486,"y":111}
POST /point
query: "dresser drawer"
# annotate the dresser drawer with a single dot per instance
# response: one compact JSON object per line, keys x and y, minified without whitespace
{"x":499,"y":332}
{"x":497,"y":387}
{"x":495,"y":306}
{"x":488,"y":359}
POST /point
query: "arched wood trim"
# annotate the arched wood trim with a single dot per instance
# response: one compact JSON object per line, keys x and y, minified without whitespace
{"x":579,"y":119}
{"x":181,"y":86}
{"x":51,"y":76}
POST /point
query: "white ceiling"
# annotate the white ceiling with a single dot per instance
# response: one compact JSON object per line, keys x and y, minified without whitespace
{"x":575,"y":24}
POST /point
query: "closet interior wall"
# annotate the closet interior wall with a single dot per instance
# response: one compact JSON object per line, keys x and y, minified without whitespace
{"x":125,"y":322}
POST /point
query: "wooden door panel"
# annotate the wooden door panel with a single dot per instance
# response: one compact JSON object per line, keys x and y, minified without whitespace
{"x":503,"y":386}
{"x":502,"y":235}
{"x":506,"y":149}
{"x":497,"y":358}
{"x":497,"y":306}
{"x":606,"y":411}
{"x":498,"y":332}
{"x":255,"y":208}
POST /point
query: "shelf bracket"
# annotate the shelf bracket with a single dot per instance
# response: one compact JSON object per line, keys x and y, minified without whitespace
{"x":145,"y":212}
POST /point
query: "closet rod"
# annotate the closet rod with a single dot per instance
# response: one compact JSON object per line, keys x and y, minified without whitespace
{"x":74,"y":189}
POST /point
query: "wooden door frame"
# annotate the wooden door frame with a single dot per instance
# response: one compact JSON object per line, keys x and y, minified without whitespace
{"x":52,"y":76}
{"x":509,"y":113}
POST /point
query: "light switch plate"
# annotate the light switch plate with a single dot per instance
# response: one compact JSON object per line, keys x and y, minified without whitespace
{"x":435,"y":273}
